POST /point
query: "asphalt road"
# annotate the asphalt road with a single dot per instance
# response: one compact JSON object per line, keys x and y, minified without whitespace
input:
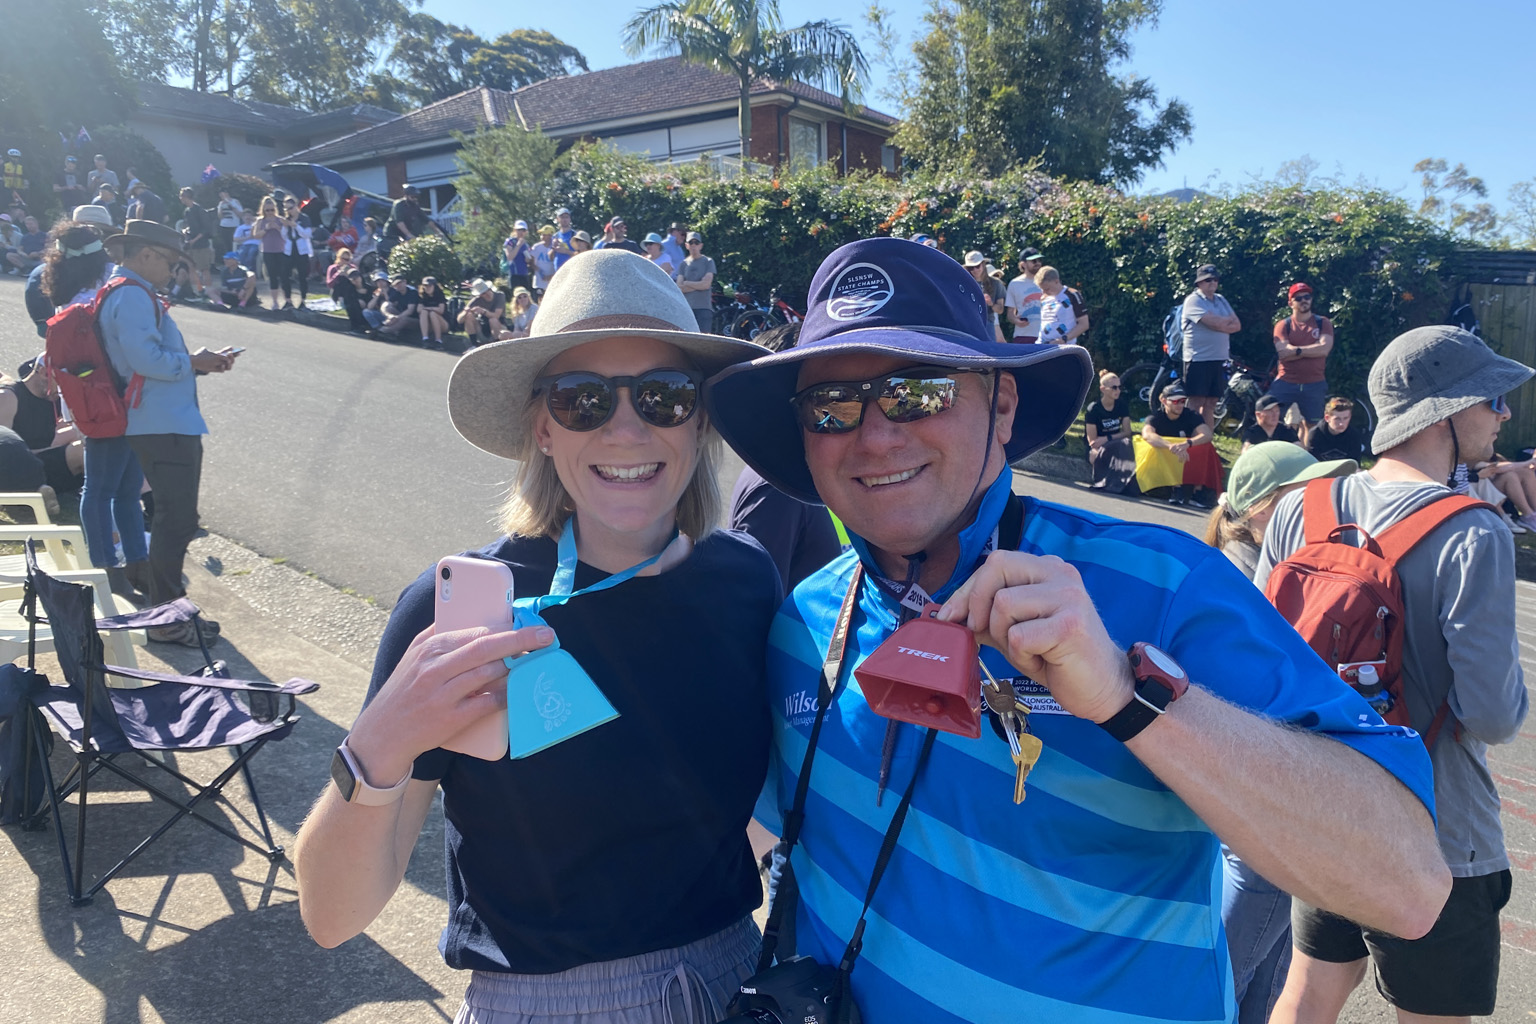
{"x":336,"y":454}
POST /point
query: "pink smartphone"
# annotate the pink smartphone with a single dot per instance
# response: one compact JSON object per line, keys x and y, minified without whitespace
{"x":475,"y":592}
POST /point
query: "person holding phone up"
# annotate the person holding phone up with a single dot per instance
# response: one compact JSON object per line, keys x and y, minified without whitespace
{"x":602,"y":871}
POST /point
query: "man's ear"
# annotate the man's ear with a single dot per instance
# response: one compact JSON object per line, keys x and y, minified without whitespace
{"x":1007,"y":406}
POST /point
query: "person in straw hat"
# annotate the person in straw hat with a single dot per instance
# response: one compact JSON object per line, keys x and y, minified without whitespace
{"x":165,"y":425}
{"x":606,"y":876}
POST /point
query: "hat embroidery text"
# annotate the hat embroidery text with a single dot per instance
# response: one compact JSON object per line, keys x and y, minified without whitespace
{"x":858,"y":291}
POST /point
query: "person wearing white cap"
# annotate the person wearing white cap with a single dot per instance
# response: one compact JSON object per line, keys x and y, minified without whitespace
{"x":517,"y":252}
{"x":1439,"y":394}
{"x":482,"y":316}
{"x":602,"y":873}
{"x":995,"y":291}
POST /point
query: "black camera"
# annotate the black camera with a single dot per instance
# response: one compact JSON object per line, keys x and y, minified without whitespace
{"x":797,"y":990}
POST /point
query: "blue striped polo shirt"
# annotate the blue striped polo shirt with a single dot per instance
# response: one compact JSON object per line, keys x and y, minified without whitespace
{"x":1099,"y":898}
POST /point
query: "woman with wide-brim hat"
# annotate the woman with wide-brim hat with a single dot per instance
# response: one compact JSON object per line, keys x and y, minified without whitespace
{"x":607,"y":877}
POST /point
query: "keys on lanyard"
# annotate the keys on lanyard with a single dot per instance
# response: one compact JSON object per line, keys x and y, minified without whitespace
{"x":1024,"y":746}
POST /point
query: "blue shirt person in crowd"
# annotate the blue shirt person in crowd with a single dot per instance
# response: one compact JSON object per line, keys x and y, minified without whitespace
{"x":165,"y":425}
{"x":1099,"y":897}
{"x":607,"y":876}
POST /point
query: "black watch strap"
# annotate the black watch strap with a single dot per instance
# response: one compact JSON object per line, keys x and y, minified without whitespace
{"x":1145,"y":707}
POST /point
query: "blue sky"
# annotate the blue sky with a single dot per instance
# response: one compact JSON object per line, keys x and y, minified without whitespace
{"x":1365,"y":88}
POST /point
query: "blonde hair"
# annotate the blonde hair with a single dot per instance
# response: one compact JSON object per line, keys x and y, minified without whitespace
{"x":343,"y":251}
{"x":268,"y":201}
{"x":1225,"y":526}
{"x":538,"y":505}
{"x":1045,"y":274}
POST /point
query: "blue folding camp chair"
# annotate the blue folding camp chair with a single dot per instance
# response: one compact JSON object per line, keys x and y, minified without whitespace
{"x":172,"y":715}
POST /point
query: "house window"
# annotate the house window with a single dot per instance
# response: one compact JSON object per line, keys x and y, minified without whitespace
{"x":260,"y":140}
{"x":215,"y":140}
{"x":888,"y":159}
{"x":804,"y":144}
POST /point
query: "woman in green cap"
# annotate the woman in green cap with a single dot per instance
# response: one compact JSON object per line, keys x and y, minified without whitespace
{"x":1255,"y":914}
{"x":1262,"y":474}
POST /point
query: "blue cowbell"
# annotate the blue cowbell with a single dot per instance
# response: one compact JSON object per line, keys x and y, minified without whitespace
{"x":550,"y":697}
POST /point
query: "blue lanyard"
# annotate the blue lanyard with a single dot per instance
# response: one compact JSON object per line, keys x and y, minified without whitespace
{"x":565,"y":573}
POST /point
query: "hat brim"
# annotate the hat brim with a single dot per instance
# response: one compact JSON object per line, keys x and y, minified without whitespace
{"x":1499,"y":377}
{"x":749,"y":404}
{"x":113,"y":242}
{"x":489,"y":384}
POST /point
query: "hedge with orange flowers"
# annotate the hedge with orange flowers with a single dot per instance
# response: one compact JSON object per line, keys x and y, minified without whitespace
{"x":1375,"y":266}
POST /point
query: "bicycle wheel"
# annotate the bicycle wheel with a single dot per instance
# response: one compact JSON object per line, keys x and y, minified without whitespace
{"x":750,"y":324}
{"x":1137,"y":384}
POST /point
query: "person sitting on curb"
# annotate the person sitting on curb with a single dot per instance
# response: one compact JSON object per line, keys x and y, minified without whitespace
{"x":399,"y":306}
{"x":482,"y":316}
{"x":1267,"y":425}
{"x":1177,"y":429}
{"x":1107,"y":427}
{"x":1337,"y":437}
{"x":237,"y":284}
{"x":1439,"y":395}
{"x":1099,"y":898}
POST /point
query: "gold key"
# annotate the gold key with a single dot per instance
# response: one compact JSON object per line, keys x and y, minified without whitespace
{"x":1024,"y":759}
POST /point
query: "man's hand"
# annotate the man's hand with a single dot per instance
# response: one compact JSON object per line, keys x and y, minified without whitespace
{"x":1036,"y":610}
{"x":1181,"y":449}
{"x":205,"y":361}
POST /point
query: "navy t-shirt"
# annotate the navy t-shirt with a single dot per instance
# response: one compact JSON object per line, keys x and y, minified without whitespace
{"x":631,"y":837}
{"x":799,"y":536}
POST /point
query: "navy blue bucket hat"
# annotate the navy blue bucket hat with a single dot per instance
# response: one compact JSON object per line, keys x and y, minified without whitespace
{"x":891,"y":297}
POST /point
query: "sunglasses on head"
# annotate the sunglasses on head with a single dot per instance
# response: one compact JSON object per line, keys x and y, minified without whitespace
{"x":837,"y":406}
{"x":580,"y":400}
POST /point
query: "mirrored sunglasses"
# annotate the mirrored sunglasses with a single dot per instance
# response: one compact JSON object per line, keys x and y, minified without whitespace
{"x":1500,"y":406}
{"x":837,"y":407}
{"x":580,"y":401}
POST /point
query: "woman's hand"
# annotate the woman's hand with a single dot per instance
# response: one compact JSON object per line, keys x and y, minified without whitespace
{"x":442,"y":684}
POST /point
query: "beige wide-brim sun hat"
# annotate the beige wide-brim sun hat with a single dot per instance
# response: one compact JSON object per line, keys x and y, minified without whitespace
{"x":605,"y":293}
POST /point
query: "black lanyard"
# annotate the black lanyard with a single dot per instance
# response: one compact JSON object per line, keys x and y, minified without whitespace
{"x":830,"y":672}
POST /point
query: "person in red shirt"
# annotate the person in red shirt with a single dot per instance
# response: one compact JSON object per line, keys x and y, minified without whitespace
{"x":1302,"y":343}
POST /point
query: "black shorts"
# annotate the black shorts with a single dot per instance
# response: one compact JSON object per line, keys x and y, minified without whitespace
{"x":1205,"y":379}
{"x":56,"y":473}
{"x":1451,"y":972}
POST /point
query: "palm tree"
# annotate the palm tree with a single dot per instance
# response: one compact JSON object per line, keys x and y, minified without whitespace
{"x":747,"y":39}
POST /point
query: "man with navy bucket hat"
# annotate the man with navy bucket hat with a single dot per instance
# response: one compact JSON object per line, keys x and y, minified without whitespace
{"x":1098,"y":897}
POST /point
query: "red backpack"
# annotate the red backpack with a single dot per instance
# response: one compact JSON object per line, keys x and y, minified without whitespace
{"x":1347,"y":601}
{"x":97,"y":398}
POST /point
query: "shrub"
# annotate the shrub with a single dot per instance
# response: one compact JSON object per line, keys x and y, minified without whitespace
{"x":125,"y":148}
{"x":1376,"y":267}
{"x":247,"y":189}
{"x":427,"y":256}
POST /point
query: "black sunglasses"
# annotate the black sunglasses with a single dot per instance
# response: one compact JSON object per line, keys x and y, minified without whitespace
{"x":579,"y":400}
{"x":837,"y":406}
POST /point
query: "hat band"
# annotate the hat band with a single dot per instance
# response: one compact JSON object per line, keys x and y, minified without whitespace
{"x":85,"y":250}
{"x":618,"y":322}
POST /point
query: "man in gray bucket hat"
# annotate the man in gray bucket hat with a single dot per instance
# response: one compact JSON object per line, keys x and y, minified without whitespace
{"x":1439,"y":392}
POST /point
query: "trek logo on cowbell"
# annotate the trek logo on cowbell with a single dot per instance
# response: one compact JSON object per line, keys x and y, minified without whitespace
{"x":922,"y":654}
{"x":858,"y":291}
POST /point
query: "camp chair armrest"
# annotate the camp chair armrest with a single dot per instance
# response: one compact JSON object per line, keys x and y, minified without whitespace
{"x":179,"y":610}
{"x":292,"y":686}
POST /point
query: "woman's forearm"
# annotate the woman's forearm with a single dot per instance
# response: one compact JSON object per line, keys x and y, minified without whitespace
{"x":349,"y":859}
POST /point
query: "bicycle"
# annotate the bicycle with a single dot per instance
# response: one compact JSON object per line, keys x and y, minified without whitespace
{"x":754,"y":321}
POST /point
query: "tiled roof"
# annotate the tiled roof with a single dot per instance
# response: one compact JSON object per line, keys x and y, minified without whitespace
{"x":253,"y":115}
{"x":649,"y":87}
{"x":207,"y":107}
{"x":559,"y":105}
{"x":466,"y":112}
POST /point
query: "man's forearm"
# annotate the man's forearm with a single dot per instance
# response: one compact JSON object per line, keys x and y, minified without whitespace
{"x":1318,"y":819}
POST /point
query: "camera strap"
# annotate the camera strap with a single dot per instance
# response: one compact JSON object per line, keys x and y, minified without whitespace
{"x":830,"y":680}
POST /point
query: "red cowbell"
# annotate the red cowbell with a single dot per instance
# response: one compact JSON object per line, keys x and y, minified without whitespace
{"x":927,"y":673}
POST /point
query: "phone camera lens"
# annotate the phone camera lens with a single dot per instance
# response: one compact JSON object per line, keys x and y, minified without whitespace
{"x":447,"y":573}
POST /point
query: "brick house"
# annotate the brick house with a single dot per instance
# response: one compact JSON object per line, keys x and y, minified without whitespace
{"x":669,"y":110}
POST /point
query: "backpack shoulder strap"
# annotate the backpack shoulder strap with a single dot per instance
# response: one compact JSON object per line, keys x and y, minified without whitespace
{"x":1318,"y":514}
{"x":116,"y":283}
{"x":1405,"y":534}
